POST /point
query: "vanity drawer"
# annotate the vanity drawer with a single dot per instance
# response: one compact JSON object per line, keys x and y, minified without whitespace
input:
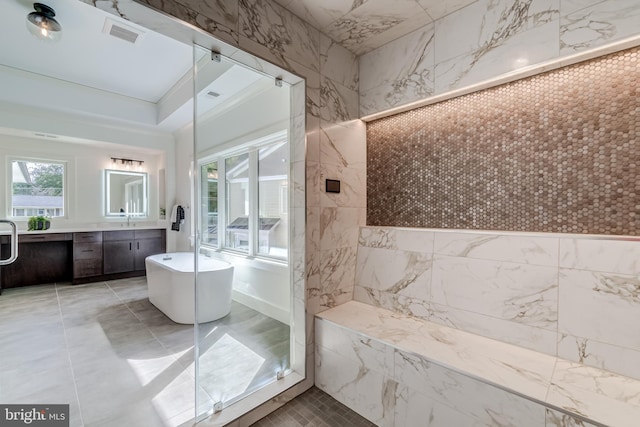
{"x":148,"y":234}
{"x":88,"y":237}
{"x":87,"y":251}
{"x":108,"y":236}
{"x":87,"y":268}
{"x":42,"y":237}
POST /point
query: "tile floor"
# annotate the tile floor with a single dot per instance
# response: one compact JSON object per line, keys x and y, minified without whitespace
{"x":313,"y":408}
{"x":118,"y":361}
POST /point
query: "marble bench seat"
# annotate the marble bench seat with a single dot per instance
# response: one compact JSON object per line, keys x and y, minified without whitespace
{"x":397,"y":370}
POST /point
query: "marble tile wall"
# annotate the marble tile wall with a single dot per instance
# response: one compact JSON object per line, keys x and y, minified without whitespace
{"x":567,"y":296}
{"x":485,"y":39}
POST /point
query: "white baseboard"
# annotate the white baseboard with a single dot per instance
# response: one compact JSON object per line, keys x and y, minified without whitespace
{"x":262,"y":306}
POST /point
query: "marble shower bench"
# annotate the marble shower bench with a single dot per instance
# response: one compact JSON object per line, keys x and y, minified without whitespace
{"x":398,"y":370}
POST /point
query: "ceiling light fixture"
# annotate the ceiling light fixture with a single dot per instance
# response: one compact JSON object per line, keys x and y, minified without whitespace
{"x":42,"y":23}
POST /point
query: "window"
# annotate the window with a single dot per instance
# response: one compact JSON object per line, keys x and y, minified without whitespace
{"x":245,"y":195}
{"x":209,"y":185}
{"x":273,"y":165}
{"x":37,"y":188}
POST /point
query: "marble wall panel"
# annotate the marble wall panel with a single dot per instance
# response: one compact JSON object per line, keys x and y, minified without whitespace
{"x":393,"y":271}
{"x":521,"y":334}
{"x":613,"y":256}
{"x":339,"y":227}
{"x":389,"y":78}
{"x":353,"y":384}
{"x":279,"y":35}
{"x":510,"y":248}
{"x":587,"y":298}
{"x":487,"y":24}
{"x":337,"y":276}
{"x":397,"y":238}
{"x":483,"y":64}
{"x":337,"y":103}
{"x":370,"y":353}
{"x":519,"y":293}
{"x":414,"y":408}
{"x":340,"y":144}
{"x":597,"y":24}
{"x":484,"y":39}
{"x":338,"y":64}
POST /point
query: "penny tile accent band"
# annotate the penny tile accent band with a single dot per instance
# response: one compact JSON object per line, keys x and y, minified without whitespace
{"x":556,"y":152}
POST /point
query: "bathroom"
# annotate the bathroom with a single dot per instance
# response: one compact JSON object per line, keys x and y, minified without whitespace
{"x":336,"y":139}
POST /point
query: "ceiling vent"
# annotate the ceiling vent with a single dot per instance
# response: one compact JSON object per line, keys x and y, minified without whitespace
{"x":121,"y":31}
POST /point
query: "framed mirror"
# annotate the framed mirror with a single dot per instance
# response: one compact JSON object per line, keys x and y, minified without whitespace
{"x":126,"y":193}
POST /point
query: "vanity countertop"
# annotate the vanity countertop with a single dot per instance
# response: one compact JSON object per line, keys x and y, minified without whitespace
{"x":84,"y":229}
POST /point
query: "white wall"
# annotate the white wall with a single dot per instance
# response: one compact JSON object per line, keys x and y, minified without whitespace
{"x":85,"y":175}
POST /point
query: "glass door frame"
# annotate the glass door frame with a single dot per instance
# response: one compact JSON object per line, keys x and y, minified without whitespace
{"x":296,"y":236}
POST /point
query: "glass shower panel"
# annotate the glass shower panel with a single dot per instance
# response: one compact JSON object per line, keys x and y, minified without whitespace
{"x":241,"y":157}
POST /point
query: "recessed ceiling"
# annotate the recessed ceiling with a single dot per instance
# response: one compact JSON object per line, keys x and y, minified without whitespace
{"x":88,"y":56}
{"x":364,"y":25}
{"x":107,"y":67}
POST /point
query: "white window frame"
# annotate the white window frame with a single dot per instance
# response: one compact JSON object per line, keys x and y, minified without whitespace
{"x":29,"y":210}
{"x":251,"y":148}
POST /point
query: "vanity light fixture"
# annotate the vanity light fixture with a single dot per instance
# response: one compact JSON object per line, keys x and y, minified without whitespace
{"x":127,"y":163}
{"x":42,"y":23}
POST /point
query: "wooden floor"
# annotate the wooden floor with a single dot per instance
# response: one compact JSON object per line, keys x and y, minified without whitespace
{"x":116,"y":360}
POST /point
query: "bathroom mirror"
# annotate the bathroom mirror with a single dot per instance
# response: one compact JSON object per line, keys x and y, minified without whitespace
{"x":126,"y":193}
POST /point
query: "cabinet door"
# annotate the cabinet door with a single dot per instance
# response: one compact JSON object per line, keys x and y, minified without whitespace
{"x":87,"y":259}
{"x":146,"y":247}
{"x":118,"y":256}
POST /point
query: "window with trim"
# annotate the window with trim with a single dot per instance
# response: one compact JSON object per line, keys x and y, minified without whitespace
{"x":37,"y":188}
{"x":244,"y":200}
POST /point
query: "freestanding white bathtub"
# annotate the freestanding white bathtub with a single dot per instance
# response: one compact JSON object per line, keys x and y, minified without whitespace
{"x":171,"y":286}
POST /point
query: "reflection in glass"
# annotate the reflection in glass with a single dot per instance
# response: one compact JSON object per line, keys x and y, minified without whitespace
{"x":273,"y":165}
{"x":237,"y":200}
{"x":126,"y":193}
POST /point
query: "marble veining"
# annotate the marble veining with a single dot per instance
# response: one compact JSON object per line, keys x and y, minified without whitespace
{"x":598,"y":24}
{"x":601,"y":355}
{"x":475,"y":377}
{"x":285,"y":36}
{"x":586,"y":298}
{"x":517,"y":292}
{"x":521,"y":249}
{"x":506,"y":21}
{"x":389,"y":79}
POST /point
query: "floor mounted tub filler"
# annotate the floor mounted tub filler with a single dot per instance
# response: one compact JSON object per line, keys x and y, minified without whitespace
{"x":170,"y":280}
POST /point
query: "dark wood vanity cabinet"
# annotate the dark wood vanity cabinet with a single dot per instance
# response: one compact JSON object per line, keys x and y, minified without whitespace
{"x":79,"y":257}
{"x":87,"y":254}
{"x":125,"y":251}
{"x":42,"y":258}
